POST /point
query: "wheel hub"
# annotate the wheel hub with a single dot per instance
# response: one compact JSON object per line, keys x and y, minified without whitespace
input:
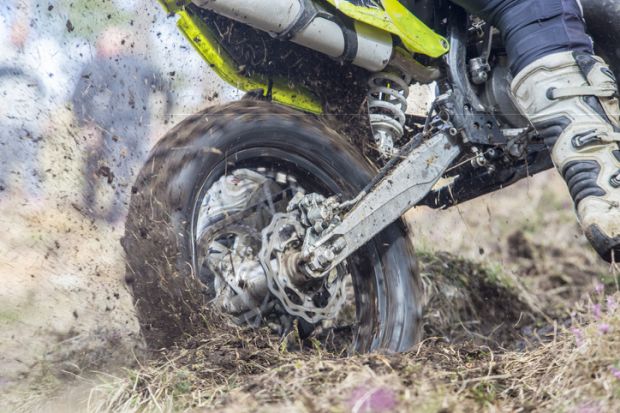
{"x":253,"y":263}
{"x":303,"y":296}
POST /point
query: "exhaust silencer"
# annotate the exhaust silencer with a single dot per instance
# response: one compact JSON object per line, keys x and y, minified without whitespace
{"x":305,"y":23}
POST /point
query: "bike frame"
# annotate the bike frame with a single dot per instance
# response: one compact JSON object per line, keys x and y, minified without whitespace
{"x":410,"y":179}
{"x":395,"y":20}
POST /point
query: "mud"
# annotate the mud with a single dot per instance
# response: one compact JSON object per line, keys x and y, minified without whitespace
{"x":466,"y":302}
{"x":512,"y":292}
{"x":65,"y":309}
{"x":462,"y":365}
{"x":490,"y":319}
{"x":159,"y":257}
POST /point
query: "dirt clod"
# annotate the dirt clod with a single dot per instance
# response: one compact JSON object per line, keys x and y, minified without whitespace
{"x":519,"y":246}
{"x":106,"y":172}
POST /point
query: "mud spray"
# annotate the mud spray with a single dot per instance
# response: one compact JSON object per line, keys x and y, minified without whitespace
{"x":520,"y":315}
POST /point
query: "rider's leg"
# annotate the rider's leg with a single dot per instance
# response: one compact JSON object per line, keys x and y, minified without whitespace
{"x":571,"y":97}
{"x":533,"y":29}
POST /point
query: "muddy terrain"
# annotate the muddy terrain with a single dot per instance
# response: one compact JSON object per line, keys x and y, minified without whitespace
{"x":520,"y":316}
{"x":520,"y":313}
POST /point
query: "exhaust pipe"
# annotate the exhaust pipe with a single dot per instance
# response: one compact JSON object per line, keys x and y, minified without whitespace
{"x":305,"y":23}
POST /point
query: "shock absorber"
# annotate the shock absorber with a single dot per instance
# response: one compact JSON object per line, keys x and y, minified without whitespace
{"x":387,"y":104}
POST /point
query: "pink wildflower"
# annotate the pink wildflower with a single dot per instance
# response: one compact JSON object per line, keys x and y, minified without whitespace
{"x":599,"y":287}
{"x":596,"y":311}
{"x":578,"y":335}
{"x":611,"y":304}
{"x":367,"y":399}
{"x":603,"y":328}
{"x":588,"y":408}
{"x":615,"y":372}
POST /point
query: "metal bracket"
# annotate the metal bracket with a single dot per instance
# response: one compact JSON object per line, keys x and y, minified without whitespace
{"x":467,"y":111}
{"x":400,"y":190}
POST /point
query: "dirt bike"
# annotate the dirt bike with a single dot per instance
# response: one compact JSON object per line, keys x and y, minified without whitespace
{"x":283,"y":209}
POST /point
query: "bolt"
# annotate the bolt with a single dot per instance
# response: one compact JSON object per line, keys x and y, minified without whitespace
{"x":325,"y":257}
{"x":318,"y":226}
{"x":321,"y":260}
{"x":339,"y":245}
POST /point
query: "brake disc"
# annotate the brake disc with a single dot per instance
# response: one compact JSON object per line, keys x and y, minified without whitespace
{"x":313,"y":300}
{"x":251,"y":270}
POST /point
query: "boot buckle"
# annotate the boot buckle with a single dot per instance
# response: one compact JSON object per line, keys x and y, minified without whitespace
{"x":594,"y":136}
{"x":584,"y":139}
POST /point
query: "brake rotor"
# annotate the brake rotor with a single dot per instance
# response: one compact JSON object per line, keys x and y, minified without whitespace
{"x":313,"y":300}
{"x":253,"y":272}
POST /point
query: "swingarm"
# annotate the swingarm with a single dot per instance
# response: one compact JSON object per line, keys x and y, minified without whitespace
{"x":336,"y":230}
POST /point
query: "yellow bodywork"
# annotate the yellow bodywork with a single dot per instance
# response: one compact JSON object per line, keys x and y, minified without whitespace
{"x":394,"y":18}
{"x":206,"y":44}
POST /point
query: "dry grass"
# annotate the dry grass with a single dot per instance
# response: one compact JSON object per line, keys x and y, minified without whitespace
{"x":577,"y":370}
{"x":563,"y":375}
{"x":548,"y":367}
{"x":504,"y":335}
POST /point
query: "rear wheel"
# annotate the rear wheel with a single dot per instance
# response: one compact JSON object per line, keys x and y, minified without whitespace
{"x":249,"y":158}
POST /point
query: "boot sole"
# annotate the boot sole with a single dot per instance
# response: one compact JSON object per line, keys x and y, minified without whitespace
{"x":608,"y":248}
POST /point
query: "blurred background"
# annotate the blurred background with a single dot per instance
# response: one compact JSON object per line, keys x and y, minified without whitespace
{"x":86,"y":88}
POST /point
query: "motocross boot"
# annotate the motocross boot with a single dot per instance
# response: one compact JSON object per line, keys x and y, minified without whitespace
{"x":571,"y":98}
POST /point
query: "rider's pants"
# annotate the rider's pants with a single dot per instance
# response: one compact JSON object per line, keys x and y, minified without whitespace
{"x":534,"y":28}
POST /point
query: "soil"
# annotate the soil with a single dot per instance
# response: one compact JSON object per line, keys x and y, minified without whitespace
{"x":502,"y":275}
{"x":64,"y":308}
{"x":480,"y":328}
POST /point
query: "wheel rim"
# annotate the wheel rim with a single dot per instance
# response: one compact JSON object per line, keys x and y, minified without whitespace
{"x":369,"y":303}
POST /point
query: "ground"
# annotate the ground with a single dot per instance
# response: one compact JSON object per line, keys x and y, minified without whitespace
{"x":521,"y":321}
{"x":521,"y":315}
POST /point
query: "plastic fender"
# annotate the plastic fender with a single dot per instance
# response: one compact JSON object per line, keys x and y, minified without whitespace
{"x":396,"y":19}
{"x":206,"y":44}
